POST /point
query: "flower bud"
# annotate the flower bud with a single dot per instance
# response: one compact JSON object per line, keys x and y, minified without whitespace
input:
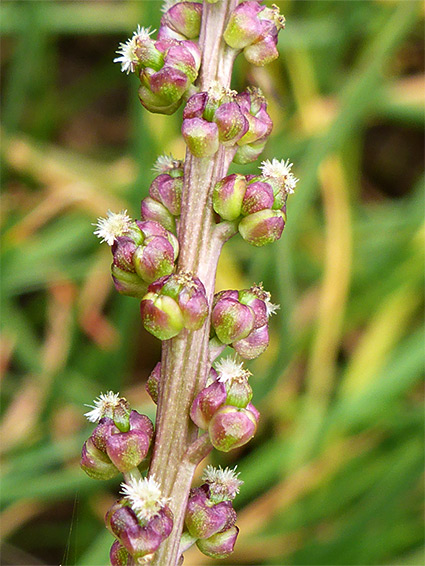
{"x":141,"y":423}
{"x":231,"y":122}
{"x":154,"y":259}
{"x":228,"y":196}
{"x":263,"y":227}
{"x":206,"y":403}
{"x":156,"y":211}
{"x":102,"y":432}
{"x":204,"y":519}
{"x":231,"y":320}
{"x":161,"y":316}
{"x":249,"y":152}
{"x":231,"y":428}
{"x":128,"y":283}
{"x":162,"y":92}
{"x":262,"y":52}
{"x":96,"y":463}
{"x":258,"y":196}
{"x":200,"y":136}
{"x":244,"y":26}
{"x":189,"y":293}
{"x":257,"y":299}
{"x":254,"y":345}
{"x":219,"y":545}
{"x":119,"y":555}
{"x":112,"y":406}
{"x":184,"y":18}
{"x":150,"y":228}
{"x":235,"y":379}
{"x":126,"y":450}
{"x":152,"y":384}
{"x":254,"y":107}
{"x":167,"y":191}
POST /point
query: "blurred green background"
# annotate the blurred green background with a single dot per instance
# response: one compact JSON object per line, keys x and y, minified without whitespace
{"x":335,"y":473}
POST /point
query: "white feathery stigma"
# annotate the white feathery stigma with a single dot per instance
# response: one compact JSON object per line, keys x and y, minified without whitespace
{"x":103,"y":406}
{"x":114,"y":225}
{"x":144,"y":496}
{"x":229,"y":369}
{"x":224,"y":484}
{"x":281,"y":172}
{"x":165,"y":163}
{"x":127,"y":51}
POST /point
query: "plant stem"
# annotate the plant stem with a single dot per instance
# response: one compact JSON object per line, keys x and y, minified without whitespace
{"x":185,"y":361}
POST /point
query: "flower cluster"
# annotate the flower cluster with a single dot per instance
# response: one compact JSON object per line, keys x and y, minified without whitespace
{"x":224,"y":407}
{"x":210,"y":517}
{"x":174,"y":301}
{"x":120,"y":441}
{"x":140,"y":521}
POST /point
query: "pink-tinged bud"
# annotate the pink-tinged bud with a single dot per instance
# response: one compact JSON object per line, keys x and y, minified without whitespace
{"x":162,"y":92}
{"x":244,"y":26}
{"x":231,"y":122}
{"x":147,"y":53}
{"x":184,"y":59}
{"x":154,"y":259}
{"x":262,"y":52}
{"x":156,"y":211}
{"x":206,"y":403}
{"x":141,"y":423}
{"x":258,"y":196}
{"x":152,"y":384}
{"x":128,"y":283}
{"x":119,"y":556}
{"x":102,"y":432}
{"x":151,"y":228}
{"x":122,"y":251}
{"x":96,"y":463}
{"x":226,"y":294}
{"x":231,"y":428}
{"x":254,"y":345}
{"x":263,"y":227}
{"x":126,"y":450}
{"x":252,"y":298}
{"x":189,"y":293}
{"x":231,"y":320}
{"x":184,"y":19}
{"x":254,"y":107}
{"x":204,"y":519}
{"x":196,"y":105}
{"x":200,"y":136}
{"x":161,"y":316}
{"x":167,"y":190}
{"x":228,"y":196}
{"x":219,"y":545}
{"x":249,"y":152}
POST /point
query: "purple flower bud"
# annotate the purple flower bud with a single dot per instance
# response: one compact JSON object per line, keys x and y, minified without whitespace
{"x":203,"y":519}
{"x":206,"y":403}
{"x":184,"y":19}
{"x":231,"y":428}
{"x":152,"y":384}
{"x":167,"y":190}
{"x":244,"y":26}
{"x":180,"y":57}
{"x":141,"y":423}
{"x":258,"y":196}
{"x":126,"y":450}
{"x":249,"y":152}
{"x":119,"y":556}
{"x":255,"y":298}
{"x":231,"y":122}
{"x":161,"y":92}
{"x":262,"y":52}
{"x":156,"y":211}
{"x":96,"y":463}
{"x":154,"y":259}
{"x":255,"y":412}
{"x":161,"y":316}
{"x":128,"y":284}
{"x":189,"y":293}
{"x":200,"y":136}
{"x":228,"y":196}
{"x":254,"y":345}
{"x":151,"y":228}
{"x":122,"y":251}
{"x":102,"y":432}
{"x":219,"y":545}
{"x":231,"y":320}
{"x":254,"y":107}
{"x":196,"y":105}
{"x":263,"y":227}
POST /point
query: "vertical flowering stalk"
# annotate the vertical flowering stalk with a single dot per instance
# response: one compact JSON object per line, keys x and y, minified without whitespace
{"x":168,"y":259}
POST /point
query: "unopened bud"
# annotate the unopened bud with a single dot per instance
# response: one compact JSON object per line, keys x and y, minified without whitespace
{"x":161,"y":316}
{"x":231,"y":428}
{"x":231,"y":122}
{"x":206,"y":403}
{"x":200,"y":136}
{"x":96,"y":463}
{"x":119,"y":555}
{"x":154,"y":259}
{"x":254,"y":345}
{"x":258,"y":196}
{"x":228,"y":196}
{"x":154,"y":210}
{"x":263,"y":227}
{"x":231,"y":320}
{"x":184,"y":18}
{"x":219,"y":545}
{"x":204,"y":519}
